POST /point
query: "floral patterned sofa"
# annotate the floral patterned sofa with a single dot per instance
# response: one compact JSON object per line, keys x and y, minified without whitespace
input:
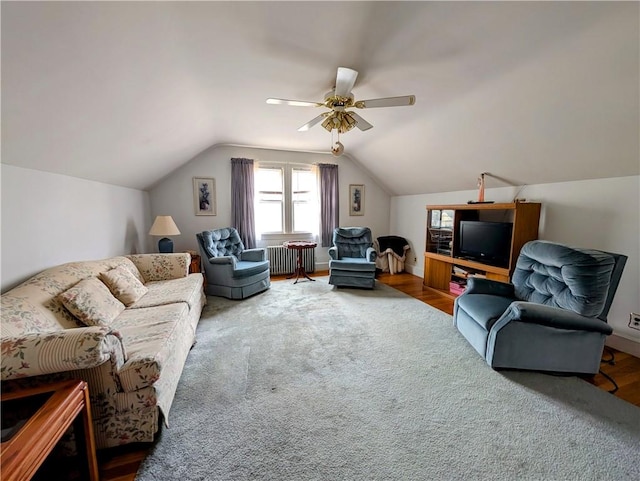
{"x":125,"y":325}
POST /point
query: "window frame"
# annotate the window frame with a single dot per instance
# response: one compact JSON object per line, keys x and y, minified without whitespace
{"x":287,"y":233}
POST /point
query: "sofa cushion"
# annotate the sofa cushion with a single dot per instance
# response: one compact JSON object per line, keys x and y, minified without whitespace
{"x":245,"y":269}
{"x":20,"y":316}
{"x":124,"y":285}
{"x":484,"y":309}
{"x":149,"y":336}
{"x":353,"y":264}
{"x":161,"y":267}
{"x":186,"y":289}
{"x":43,"y":290}
{"x":92,"y":303}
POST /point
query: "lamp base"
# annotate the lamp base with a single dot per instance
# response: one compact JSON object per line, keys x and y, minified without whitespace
{"x":165,"y":245}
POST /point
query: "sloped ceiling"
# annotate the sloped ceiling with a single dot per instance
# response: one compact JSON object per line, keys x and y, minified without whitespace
{"x":124,"y":93}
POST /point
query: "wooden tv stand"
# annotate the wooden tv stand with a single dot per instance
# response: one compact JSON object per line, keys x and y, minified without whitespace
{"x":441,"y":260}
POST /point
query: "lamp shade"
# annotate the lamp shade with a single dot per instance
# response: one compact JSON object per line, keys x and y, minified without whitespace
{"x":164,"y":225}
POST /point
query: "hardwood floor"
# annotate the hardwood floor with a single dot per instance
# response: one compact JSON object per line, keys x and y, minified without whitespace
{"x":121,"y":464}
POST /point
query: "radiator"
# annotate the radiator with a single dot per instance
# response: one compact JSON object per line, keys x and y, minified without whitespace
{"x":285,"y":261}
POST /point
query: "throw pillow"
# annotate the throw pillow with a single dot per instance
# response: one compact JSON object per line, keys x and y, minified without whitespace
{"x":124,"y":285}
{"x":92,"y":303}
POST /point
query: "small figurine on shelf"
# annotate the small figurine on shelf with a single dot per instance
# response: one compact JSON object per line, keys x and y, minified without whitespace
{"x":480,"y":192}
{"x":481,"y":188}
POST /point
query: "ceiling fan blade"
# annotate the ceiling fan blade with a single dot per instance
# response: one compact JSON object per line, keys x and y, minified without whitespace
{"x":295,"y":103}
{"x":386,"y":102}
{"x":311,"y":123}
{"x":361,"y":123}
{"x":345,"y":80}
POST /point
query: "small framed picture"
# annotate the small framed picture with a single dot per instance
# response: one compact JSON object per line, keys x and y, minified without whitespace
{"x":204,"y":195}
{"x":356,"y":199}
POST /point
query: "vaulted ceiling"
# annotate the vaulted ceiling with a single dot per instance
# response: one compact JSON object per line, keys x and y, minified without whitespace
{"x":126,"y":92}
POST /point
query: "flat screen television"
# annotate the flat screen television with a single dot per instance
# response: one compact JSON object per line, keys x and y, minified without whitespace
{"x":486,"y":242}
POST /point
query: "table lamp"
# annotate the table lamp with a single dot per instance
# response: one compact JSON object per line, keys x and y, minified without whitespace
{"x":164,"y":226}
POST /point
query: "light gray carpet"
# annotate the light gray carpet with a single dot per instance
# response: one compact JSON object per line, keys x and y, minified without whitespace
{"x":309,"y":382}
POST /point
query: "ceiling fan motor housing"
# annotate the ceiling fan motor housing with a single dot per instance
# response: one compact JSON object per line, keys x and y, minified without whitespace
{"x":337,"y":102}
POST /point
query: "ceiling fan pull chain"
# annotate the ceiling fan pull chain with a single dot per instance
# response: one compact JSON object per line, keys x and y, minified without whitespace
{"x":336,"y":147}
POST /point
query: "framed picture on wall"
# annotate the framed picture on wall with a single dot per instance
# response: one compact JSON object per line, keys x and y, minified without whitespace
{"x":204,"y":195}
{"x":356,"y":199}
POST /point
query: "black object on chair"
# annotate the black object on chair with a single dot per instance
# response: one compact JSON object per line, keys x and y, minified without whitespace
{"x":391,"y":253}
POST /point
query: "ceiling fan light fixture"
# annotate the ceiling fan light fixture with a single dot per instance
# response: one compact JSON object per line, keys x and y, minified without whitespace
{"x":348,"y":122}
{"x":340,"y":121}
{"x":328,"y":123}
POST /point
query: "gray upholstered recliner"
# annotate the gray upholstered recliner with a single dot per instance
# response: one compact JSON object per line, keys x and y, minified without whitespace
{"x":353,"y":258}
{"x":231,"y":270}
{"x":553,"y":317}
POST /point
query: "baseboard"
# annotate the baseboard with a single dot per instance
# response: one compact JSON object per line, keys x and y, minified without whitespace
{"x":322,"y":266}
{"x":411,"y":269}
{"x":623,"y":344}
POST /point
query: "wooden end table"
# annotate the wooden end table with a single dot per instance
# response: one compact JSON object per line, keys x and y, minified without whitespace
{"x":53,"y":409}
{"x":300,"y":246}
{"x":196,"y":267}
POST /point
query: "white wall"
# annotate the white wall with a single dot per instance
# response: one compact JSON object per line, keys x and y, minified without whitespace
{"x":599,"y":214}
{"x":48,"y":219}
{"x":174,"y":195}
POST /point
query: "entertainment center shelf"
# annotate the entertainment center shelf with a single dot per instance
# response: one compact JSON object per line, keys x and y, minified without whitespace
{"x":442,"y":258}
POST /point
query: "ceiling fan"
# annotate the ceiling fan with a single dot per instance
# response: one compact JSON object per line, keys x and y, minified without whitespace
{"x":339,"y":100}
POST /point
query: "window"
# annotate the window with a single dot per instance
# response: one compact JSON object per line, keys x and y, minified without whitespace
{"x":304,"y":216}
{"x":269,"y":213}
{"x":286,"y":200}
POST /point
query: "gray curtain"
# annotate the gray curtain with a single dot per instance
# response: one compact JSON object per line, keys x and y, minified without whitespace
{"x":242,"y":194}
{"x":329,"y":206}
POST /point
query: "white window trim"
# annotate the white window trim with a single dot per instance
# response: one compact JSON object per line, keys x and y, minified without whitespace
{"x":288,"y":234}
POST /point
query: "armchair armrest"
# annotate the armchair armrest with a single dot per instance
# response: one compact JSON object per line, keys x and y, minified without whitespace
{"x":371,"y":254}
{"x":479,"y":285}
{"x":223,"y":260}
{"x":333,"y":253}
{"x":38,"y":353}
{"x":255,"y":255}
{"x":162,"y":267}
{"x":552,"y":317}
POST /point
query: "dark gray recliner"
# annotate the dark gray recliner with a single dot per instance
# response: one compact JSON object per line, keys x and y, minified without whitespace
{"x":232,"y":271}
{"x":353,"y":258}
{"x":553,"y":317}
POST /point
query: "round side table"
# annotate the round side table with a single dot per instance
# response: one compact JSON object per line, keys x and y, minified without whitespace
{"x":300,"y":246}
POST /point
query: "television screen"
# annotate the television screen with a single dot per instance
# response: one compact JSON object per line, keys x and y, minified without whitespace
{"x":486,"y":242}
